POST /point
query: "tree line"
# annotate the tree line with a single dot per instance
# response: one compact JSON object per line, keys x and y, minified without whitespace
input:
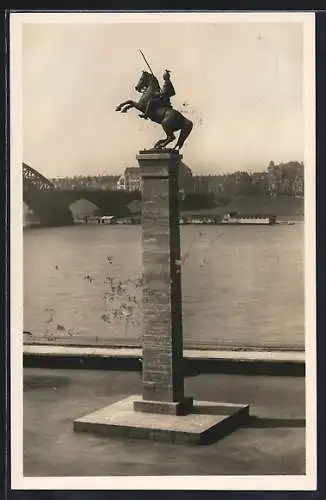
{"x":277,"y":179}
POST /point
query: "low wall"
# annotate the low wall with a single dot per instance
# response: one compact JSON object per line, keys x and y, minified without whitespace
{"x":276,"y":363}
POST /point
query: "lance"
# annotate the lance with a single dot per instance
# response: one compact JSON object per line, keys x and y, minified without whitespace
{"x":150,"y":69}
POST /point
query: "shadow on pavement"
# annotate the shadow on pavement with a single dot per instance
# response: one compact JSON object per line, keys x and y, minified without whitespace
{"x":275,"y":423}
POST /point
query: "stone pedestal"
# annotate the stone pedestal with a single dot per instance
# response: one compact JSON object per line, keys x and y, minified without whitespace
{"x":163,"y":377}
{"x":163,"y":411}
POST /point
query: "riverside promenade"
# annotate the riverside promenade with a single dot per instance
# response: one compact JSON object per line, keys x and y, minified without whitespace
{"x":259,"y":423}
{"x":83,"y":379}
{"x":273,"y":441}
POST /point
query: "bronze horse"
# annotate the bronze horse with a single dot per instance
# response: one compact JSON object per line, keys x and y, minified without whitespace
{"x":156,"y":105}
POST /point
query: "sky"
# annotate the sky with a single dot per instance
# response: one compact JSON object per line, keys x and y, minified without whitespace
{"x":240,"y":83}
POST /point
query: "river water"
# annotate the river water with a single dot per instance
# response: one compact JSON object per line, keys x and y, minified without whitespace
{"x":242,"y":286}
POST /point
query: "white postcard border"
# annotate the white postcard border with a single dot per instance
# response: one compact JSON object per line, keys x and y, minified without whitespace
{"x":18,"y":481}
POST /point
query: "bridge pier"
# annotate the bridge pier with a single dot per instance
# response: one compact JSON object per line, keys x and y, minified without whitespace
{"x":51,"y":207}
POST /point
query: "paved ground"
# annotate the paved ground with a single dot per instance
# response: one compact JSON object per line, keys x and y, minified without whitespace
{"x":272,"y":444}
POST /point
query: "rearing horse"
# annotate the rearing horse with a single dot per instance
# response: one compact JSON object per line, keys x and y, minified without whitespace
{"x":159,"y":110}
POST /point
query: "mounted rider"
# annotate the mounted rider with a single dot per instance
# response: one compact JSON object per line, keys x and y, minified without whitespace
{"x":162,"y":113}
{"x":161,"y":97}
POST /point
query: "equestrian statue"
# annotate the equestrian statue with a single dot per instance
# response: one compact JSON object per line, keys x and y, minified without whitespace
{"x":155,"y":104}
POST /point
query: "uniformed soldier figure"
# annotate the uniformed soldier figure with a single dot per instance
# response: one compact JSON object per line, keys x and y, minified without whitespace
{"x":162,"y":97}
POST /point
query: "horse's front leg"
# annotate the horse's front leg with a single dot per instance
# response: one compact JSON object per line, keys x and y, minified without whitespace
{"x":124,"y":106}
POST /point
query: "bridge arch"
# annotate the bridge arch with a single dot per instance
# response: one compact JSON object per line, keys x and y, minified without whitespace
{"x":116,"y":203}
{"x":83,"y":207}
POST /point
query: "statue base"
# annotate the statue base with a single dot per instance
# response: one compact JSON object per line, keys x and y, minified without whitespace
{"x":160,"y":150}
{"x":207,"y":423}
{"x":162,"y":412}
{"x":165,"y":407}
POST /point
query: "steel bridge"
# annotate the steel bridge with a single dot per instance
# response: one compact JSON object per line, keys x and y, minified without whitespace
{"x":34,"y":180}
{"x":51,"y":207}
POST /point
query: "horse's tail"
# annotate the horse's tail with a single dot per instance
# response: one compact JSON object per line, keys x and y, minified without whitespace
{"x":184,"y":132}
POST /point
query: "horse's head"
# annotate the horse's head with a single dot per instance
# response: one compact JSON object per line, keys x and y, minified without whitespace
{"x":146,"y":80}
{"x":143,"y":82}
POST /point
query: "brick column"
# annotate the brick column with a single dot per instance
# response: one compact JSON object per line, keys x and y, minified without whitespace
{"x":163,"y":377}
